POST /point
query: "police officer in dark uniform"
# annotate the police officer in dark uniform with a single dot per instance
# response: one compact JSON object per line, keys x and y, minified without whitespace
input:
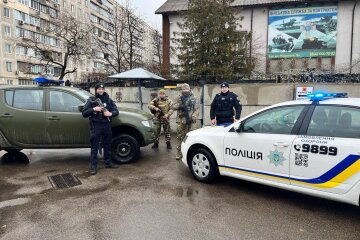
{"x":100,"y":109}
{"x":223,"y":105}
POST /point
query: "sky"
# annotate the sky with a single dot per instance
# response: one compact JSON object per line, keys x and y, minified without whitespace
{"x":146,"y":10}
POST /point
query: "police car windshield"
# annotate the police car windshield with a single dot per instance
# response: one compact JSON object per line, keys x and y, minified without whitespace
{"x":84,"y":94}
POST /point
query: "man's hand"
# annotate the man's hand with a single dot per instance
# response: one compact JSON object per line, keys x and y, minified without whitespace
{"x":166,"y":116}
{"x":213,"y":122}
{"x":236,"y":120}
{"x":157,"y":109}
{"x":107,"y":114}
{"x":97,"y":109}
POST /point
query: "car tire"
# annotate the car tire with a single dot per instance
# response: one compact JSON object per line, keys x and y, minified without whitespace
{"x":124,"y":149}
{"x":13,"y":151}
{"x":15,"y":157}
{"x":203,"y":166}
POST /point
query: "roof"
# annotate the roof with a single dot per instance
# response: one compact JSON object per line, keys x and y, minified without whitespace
{"x":137,"y":73}
{"x":181,"y":5}
{"x":328,"y":101}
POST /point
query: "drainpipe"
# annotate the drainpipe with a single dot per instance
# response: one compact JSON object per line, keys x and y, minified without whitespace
{"x":352,"y":36}
{"x":251,"y":30}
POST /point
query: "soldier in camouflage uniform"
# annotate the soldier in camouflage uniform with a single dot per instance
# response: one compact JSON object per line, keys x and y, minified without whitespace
{"x":187,"y":107}
{"x":161,"y":108}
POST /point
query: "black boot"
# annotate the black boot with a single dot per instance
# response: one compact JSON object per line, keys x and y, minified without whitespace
{"x":156,"y":145}
{"x":111,"y":165}
{"x":168,"y":145}
{"x":93,"y":170}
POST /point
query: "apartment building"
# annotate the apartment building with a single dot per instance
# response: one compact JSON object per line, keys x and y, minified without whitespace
{"x":23,"y":20}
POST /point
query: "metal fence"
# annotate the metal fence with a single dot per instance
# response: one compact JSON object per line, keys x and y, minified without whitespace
{"x":307,"y":76}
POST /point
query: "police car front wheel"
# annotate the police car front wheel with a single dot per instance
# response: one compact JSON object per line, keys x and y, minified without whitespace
{"x":203,"y":166}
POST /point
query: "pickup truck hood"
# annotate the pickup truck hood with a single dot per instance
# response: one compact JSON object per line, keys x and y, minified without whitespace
{"x":134,"y":110}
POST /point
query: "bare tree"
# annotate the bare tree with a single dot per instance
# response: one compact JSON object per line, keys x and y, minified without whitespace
{"x":133,"y":38}
{"x":126,"y":32}
{"x":62,"y":42}
{"x":155,"y":64}
{"x":113,"y":53}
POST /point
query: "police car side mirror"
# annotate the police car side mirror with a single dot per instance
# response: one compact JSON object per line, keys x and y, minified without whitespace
{"x":239,"y":127}
{"x":81,"y":108}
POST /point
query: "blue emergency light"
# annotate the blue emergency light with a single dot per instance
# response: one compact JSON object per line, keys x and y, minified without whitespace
{"x":41,"y":81}
{"x":319,"y":96}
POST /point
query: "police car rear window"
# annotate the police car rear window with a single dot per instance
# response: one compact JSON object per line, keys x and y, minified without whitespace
{"x":335,"y":121}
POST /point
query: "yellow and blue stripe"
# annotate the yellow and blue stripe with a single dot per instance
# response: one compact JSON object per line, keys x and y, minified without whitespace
{"x":332,"y":178}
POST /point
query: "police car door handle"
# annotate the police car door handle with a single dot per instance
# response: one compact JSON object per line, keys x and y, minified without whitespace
{"x":281,"y":144}
{"x":7,"y":115}
{"x":53,"y":118}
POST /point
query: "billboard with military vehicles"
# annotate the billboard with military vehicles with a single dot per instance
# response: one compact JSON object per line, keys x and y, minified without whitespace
{"x":302,"y":32}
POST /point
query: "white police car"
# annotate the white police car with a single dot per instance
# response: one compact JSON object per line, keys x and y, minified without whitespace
{"x":312,"y":147}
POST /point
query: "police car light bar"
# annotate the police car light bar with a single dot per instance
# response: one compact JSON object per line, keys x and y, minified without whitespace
{"x":47,"y":82}
{"x":319,"y":96}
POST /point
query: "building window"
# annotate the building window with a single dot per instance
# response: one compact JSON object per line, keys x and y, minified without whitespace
{"x":98,"y":65}
{"x":26,"y":82}
{"x":9,"y":82}
{"x":21,"y":50}
{"x":25,"y":2}
{"x":8,"y":48}
{"x":6,"y":12}
{"x":72,"y":8}
{"x":36,"y":69}
{"x":7,"y":30}
{"x":8,"y":66}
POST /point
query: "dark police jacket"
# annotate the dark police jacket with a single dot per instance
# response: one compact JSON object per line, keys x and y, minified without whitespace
{"x":223,"y":106}
{"x":99,"y":117}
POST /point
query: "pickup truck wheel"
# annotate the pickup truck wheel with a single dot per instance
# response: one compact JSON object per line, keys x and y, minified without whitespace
{"x":13,"y":151}
{"x":203,"y":165}
{"x":15,"y":157}
{"x":125,"y":148}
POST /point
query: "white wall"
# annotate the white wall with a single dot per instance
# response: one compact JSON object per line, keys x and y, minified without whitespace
{"x":253,"y":97}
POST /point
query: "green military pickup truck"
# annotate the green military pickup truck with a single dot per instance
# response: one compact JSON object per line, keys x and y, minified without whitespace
{"x":49,"y":117}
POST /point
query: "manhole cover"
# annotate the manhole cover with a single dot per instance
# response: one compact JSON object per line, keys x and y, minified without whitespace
{"x":65,"y":180}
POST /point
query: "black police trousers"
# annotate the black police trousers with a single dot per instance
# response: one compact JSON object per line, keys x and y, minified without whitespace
{"x":100,"y":132}
{"x":224,"y":120}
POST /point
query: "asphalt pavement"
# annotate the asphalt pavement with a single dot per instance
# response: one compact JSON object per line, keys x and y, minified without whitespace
{"x":155,"y":198}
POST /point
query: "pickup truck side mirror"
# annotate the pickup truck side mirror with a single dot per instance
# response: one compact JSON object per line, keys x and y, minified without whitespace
{"x":81,"y":108}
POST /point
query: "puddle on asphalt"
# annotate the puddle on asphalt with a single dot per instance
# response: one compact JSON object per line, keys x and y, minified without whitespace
{"x":14,"y":202}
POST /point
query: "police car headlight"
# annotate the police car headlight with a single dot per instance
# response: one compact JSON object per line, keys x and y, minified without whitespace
{"x":186,"y":136}
{"x":147,"y":123}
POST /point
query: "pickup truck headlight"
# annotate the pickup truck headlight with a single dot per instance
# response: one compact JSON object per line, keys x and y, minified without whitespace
{"x":147,"y":123}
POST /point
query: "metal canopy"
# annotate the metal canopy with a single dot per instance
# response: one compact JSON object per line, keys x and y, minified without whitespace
{"x":138,"y":74}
